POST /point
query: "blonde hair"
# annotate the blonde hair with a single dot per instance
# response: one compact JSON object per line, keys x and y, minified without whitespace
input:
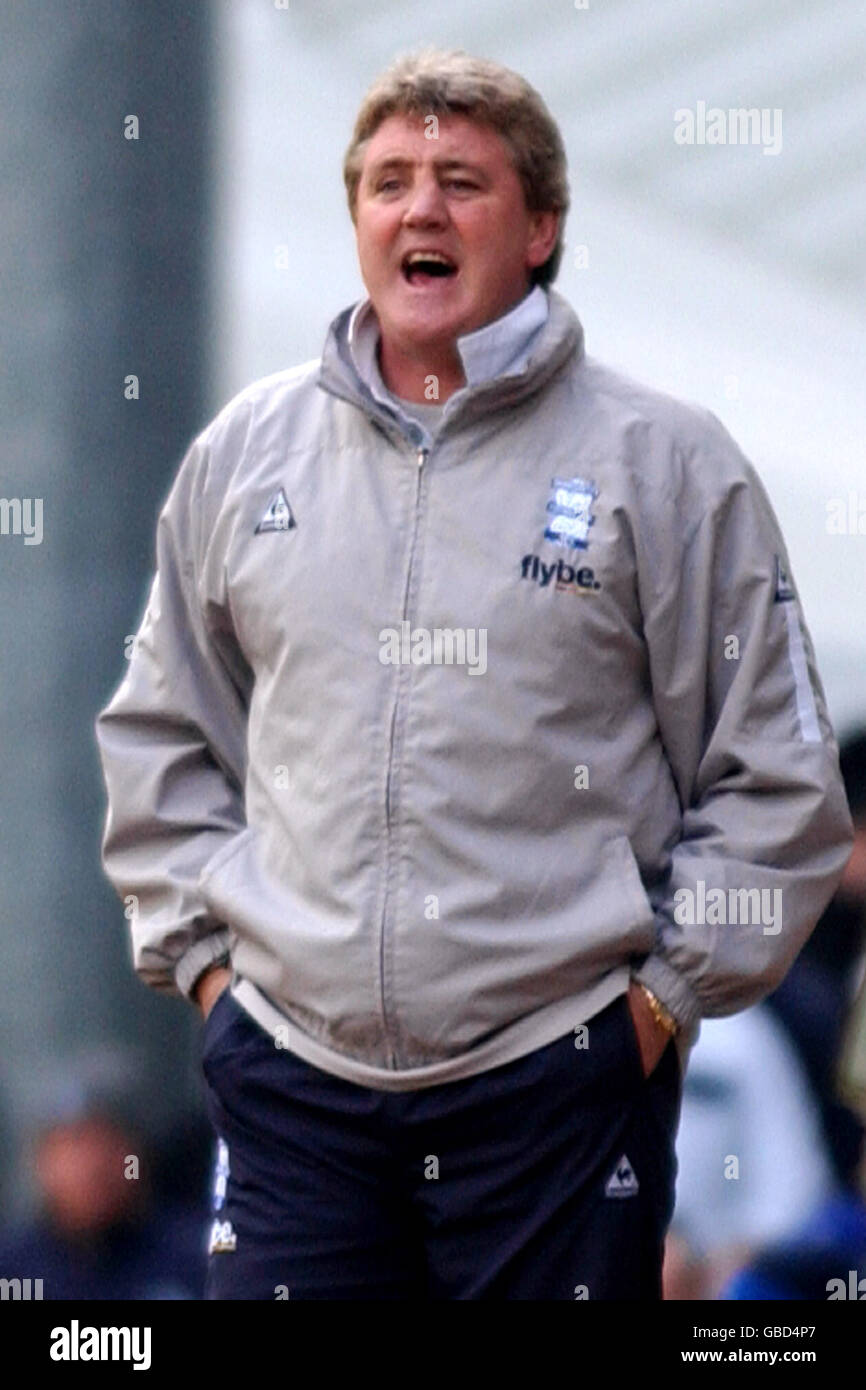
{"x":451,"y":81}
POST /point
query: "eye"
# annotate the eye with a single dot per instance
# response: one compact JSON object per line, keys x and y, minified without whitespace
{"x":387,"y":185}
{"x":461,"y":183}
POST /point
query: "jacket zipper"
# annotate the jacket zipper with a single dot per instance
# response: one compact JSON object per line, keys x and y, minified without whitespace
{"x":421,"y":454}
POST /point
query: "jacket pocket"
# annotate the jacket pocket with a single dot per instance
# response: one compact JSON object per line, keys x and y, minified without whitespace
{"x":632,"y":1044}
{"x":229,"y":1038}
{"x":211,"y":1021}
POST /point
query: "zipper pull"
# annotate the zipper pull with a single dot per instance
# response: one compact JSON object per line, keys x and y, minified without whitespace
{"x":421,"y":455}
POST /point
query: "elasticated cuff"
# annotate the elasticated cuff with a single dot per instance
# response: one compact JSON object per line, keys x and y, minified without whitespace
{"x":672,"y":990}
{"x":200,"y":956}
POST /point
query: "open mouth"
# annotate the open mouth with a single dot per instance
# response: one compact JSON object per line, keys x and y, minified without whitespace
{"x":423,"y":267}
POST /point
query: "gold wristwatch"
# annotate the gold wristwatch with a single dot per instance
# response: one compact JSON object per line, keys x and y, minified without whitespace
{"x":661,"y":1015}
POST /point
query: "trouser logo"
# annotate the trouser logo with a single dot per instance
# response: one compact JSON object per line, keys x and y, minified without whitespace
{"x":562,"y":576}
{"x":222,"y":1238}
{"x":622,"y":1181}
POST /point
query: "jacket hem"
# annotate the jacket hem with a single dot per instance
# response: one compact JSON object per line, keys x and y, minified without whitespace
{"x":533,"y":1031}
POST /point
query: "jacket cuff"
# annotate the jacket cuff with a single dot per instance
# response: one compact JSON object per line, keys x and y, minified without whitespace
{"x":199,"y":958}
{"x":672,"y":990}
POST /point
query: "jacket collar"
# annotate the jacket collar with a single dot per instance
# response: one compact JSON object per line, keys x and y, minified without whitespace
{"x":504,"y":362}
{"x":498,"y":347}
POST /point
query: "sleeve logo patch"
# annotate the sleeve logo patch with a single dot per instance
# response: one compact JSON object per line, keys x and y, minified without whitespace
{"x":784,"y":589}
{"x":278,"y":516}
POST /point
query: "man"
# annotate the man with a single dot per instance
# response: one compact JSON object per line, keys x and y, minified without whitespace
{"x":466,"y":659}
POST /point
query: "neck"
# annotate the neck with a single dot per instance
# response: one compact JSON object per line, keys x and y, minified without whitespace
{"x":407,"y":375}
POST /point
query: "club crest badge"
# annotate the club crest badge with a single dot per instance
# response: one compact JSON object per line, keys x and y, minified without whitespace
{"x":569,"y":512}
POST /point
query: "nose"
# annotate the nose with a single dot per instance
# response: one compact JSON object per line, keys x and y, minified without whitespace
{"x":427,"y":205}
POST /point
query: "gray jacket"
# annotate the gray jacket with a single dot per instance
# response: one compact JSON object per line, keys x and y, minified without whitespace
{"x":443,"y":744}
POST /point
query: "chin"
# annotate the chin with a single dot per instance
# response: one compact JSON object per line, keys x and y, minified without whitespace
{"x":425,"y":328}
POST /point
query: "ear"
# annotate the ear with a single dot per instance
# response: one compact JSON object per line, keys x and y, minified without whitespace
{"x":543,"y":231}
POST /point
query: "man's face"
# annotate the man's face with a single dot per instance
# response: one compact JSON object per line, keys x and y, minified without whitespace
{"x":458,"y":196}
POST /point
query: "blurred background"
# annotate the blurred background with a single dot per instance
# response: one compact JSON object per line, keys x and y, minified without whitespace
{"x":174,"y":225}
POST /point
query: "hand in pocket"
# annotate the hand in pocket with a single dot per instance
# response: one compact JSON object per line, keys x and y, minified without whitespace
{"x":652,"y":1036}
{"x":210,"y":986}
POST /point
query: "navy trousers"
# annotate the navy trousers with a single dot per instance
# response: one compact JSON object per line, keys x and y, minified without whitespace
{"x":551,"y":1177}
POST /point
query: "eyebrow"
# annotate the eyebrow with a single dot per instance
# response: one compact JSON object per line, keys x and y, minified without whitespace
{"x":400,"y":162}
